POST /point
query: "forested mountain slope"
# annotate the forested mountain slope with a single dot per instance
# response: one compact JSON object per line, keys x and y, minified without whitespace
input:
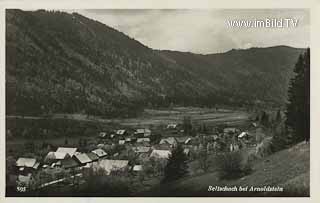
{"x":66,"y":63}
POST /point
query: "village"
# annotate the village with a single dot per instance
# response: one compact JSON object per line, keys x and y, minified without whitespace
{"x":133,"y":150}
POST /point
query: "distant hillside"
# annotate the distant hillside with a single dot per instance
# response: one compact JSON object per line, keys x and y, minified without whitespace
{"x":66,"y":63}
{"x":251,"y":75}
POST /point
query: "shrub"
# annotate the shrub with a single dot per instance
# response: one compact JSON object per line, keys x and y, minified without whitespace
{"x":232,"y":165}
{"x":264,"y":148}
{"x":203,"y":160}
{"x":99,"y":184}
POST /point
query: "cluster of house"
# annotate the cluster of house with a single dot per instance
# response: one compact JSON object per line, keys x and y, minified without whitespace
{"x":62,"y":158}
{"x":139,"y":136}
{"x":68,"y":158}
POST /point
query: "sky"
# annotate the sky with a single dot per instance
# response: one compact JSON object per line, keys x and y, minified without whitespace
{"x":204,"y":31}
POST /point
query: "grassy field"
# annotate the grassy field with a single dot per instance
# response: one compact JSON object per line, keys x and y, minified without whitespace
{"x":75,"y":126}
{"x":288,"y":169}
{"x":163,"y":117}
{"x":156,"y":117}
{"x":175,"y":115}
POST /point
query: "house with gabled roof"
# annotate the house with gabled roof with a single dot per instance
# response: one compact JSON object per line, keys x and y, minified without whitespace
{"x":171,"y":141}
{"x":67,"y":150}
{"x":172,"y":126}
{"x":130,"y":139}
{"x":93,"y":156}
{"x":160,"y":154}
{"x":57,"y":155}
{"x":103,"y":135}
{"x":143,"y":140}
{"x":100,"y":153}
{"x":27,"y":164}
{"x":53,"y":157}
{"x":121,"y":132}
{"x":142,"y":132}
{"x":82,"y":158}
{"x":141,"y":149}
{"x":137,"y":168}
{"x":244,"y":135}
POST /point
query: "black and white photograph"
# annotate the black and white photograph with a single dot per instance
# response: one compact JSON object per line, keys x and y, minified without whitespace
{"x":157,"y":102}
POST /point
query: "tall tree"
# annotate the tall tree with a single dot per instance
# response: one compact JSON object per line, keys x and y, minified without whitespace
{"x":177,"y":166}
{"x":264,"y":119}
{"x":187,"y":125}
{"x":298,"y":107}
{"x":203,"y":157}
{"x":278,"y":116}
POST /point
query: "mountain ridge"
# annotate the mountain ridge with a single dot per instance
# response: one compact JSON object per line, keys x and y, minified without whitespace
{"x":60,"y":62}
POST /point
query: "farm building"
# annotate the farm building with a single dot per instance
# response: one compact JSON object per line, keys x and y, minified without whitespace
{"x":141,"y":149}
{"x":100,"y":153}
{"x":172,"y":126}
{"x":103,"y":135}
{"x":93,"y":156}
{"x":160,"y":154}
{"x":82,"y":158}
{"x":186,"y":151}
{"x":244,"y":135}
{"x":121,"y":132}
{"x":143,"y":140}
{"x":170,"y":141}
{"x":27,"y":164}
{"x":142,"y":132}
{"x":52,"y":157}
{"x":137,"y":168}
{"x":128,"y":139}
{"x":67,"y":150}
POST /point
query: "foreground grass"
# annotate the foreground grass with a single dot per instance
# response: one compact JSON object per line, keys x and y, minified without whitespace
{"x":288,"y":169}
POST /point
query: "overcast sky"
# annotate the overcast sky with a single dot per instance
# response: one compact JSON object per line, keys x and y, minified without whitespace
{"x":204,"y":31}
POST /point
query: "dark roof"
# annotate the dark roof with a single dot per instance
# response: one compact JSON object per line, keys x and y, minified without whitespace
{"x":82,"y":158}
{"x":182,"y":139}
{"x":169,"y":140}
{"x":69,"y":163}
{"x":92,"y":156}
